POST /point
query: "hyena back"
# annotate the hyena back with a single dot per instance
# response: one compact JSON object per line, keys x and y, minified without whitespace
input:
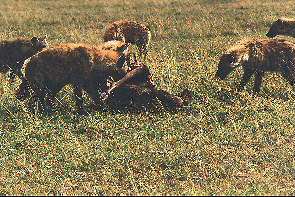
{"x":83,"y":67}
{"x":257,"y":56}
{"x":282,"y":26}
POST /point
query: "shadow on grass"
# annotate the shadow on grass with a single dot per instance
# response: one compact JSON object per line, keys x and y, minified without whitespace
{"x":231,"y":96}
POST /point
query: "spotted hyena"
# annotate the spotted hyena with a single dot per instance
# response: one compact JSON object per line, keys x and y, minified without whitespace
{"x":130,"y":32}
{"x":84,"y":67}
{"x":120,"y":46}
{"x":282,"y":26}
{"x":13,"y":53}
{"x":258,"y":56}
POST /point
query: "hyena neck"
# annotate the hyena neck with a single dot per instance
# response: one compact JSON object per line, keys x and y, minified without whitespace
{"x":241,"y":60}
{"x":29,"y":53}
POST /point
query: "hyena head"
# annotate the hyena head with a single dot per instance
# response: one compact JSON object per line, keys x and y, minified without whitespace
{"x":124,"y":50}
{"x":39,"y":43}
{"x":226,"y":65}
{"x":282,"y":27}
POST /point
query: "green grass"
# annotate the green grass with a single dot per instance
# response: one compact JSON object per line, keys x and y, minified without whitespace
{"x":225,"y":143}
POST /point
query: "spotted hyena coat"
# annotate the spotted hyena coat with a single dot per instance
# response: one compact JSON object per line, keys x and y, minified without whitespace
{"x":258,"y":56}
{"x":130,"y":32}
{"x":13,"y":53}
{"x":82,"y":66}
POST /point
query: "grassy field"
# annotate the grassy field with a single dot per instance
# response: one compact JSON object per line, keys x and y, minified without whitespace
{"x":224,"y":143}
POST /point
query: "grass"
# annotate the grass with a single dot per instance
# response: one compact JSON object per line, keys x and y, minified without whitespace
{"x":225,"y":143}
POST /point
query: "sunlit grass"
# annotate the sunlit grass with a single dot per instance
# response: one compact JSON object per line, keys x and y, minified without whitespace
{"x":225,"y":142}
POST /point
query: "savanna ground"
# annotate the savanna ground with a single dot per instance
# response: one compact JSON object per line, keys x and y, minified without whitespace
{"x":225,"y":142}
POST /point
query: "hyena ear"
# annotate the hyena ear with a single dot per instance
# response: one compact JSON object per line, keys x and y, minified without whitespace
{"x":280,"y":21}
{"x":34,"y":40}
{"x":45,"y":37}
{"x":228,"y":57}
{"x":126,"y":49}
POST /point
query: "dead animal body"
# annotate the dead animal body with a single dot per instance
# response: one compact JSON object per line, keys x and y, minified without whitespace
{"x":258,"y":56}
{"x":143,"y":97}
{"x":13,"y":53}
{"x":137,"y":91}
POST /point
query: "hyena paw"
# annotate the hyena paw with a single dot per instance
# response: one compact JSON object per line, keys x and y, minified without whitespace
{"x":104,"y":96}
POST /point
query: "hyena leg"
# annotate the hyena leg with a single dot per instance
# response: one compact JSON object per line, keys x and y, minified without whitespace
{"x":49,"y":100}
{"x":33,"y":101}
{"x":15,"y":70}
{"x":245,"y":79}
{"x":145,"y":52}
{"x":43,"y":100}
{"x":79,"y":100}
{"x":258,"y":81}
{"x":37,"y":98}
{"x":11,"y":76}
{"x":140,"y":48}
{"x":95,"y":95}
{"x":23,"y":90}
{"x":40,"y":95}
{"x":142,"y":52}
{"x":289,"y":75}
